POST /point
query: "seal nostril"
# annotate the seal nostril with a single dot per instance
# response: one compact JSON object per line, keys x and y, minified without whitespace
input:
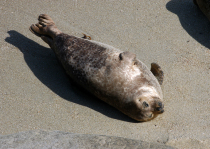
{"x":158,"y":109}
{"x":160,"y":104}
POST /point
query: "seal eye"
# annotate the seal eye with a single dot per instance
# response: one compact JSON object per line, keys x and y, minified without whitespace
{"x":145,"y":104}
{"x":120,"y":56}
{"x":135,"y":63}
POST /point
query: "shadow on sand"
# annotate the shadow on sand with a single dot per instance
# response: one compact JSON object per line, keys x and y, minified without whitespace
{"x":43,"y":63}
{"x":192,"y":20}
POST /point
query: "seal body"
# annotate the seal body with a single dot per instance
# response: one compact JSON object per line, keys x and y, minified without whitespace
{"x":114,"y":76}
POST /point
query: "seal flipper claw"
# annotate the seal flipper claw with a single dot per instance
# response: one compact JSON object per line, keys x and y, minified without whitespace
{"x":86,"y":37}
{"x":157,"y":72}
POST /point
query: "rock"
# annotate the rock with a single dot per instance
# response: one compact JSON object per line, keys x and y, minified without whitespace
{"x":57,"y":139}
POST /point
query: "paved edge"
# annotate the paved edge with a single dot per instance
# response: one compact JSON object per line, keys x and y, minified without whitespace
{"x":59,"y":139}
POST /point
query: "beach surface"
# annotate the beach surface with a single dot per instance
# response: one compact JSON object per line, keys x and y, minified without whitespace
{"x":36,"y":93}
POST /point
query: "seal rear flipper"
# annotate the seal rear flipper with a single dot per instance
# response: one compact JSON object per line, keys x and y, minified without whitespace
{"x":33,"y":28}
{"x":48,"y":40}
{"x":157,"y":72}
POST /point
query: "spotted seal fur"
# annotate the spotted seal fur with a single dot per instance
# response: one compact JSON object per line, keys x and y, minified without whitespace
{"x":114,"y":76}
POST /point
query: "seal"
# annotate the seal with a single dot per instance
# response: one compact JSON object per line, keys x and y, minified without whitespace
{"x":204,"y":6}
{"x":114,"y":76}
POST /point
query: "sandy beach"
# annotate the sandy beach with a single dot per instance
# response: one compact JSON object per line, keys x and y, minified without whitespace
{"x":36,"y":93}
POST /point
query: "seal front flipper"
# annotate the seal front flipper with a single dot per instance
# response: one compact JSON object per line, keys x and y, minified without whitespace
{"x":86,"y":37}
{"x":157,"y":72}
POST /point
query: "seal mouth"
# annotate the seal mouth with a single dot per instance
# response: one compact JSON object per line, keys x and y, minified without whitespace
{"x":159,"y":110}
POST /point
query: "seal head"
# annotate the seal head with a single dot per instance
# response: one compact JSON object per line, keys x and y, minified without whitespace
{"x":129,"y":86}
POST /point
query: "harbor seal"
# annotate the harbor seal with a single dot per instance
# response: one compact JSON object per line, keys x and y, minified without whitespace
{"x":114,"y":76}
{"x":204,"y":6}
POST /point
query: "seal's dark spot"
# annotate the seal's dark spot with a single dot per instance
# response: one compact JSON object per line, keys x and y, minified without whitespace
{"x":145,"y":104}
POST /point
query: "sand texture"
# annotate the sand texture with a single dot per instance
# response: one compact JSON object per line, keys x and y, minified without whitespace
{"x":36,"y":94}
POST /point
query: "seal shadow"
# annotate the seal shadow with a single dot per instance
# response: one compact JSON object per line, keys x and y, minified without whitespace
{"x":45,"y":66}
{"x":192,"y":20}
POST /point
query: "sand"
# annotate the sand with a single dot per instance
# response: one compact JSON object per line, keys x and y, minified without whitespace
{"x":35,"y":92}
